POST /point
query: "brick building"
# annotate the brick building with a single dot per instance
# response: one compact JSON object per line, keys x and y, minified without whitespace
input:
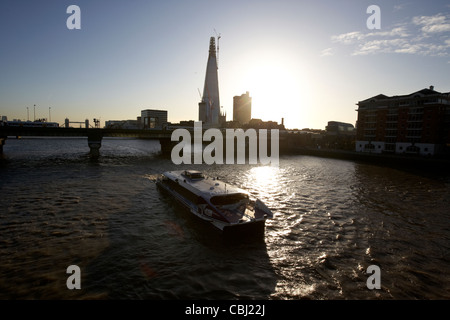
{"x":417,"y":123}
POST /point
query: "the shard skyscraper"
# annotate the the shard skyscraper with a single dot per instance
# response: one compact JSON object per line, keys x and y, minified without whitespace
{"x":209,"y":108}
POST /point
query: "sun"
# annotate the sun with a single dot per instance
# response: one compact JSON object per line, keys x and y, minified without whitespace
{"x":276,"y":93}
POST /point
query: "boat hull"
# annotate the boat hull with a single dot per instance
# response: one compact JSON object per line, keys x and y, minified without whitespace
{"x":245,"y":229}
{"x":248,"y":230}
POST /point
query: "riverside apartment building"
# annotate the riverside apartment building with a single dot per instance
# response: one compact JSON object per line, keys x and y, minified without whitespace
{"x":416,"y":123}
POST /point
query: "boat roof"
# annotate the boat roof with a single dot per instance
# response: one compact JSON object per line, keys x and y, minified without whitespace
{"x":203,"y":185}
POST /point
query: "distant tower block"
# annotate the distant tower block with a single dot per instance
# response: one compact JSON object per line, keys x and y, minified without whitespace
{"x":209,"y":107}
{"x":242,"y":108}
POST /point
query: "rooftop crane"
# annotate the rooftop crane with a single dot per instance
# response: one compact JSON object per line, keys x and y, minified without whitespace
{"x":217,"y":54}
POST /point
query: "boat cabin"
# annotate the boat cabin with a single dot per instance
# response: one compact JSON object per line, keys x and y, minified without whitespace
{"x":193,"y":174}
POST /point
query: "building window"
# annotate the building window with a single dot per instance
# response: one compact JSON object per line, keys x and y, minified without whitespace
{"x":153,"y":122}
{"x":389,"y":147}
{"x":413,"y":149}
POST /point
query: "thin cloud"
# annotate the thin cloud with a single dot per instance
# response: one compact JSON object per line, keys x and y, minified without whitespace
{"x":348,"y":38}
{"x":355,"y":36}
{"x":382,"y":46}
{"x":422,"y":35}
{"x":433,"y":24}
{"x":401,"y":6}
{"x":327,"y":52}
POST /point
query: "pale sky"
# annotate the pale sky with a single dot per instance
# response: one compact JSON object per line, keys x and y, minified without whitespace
{"x":308,"y":62}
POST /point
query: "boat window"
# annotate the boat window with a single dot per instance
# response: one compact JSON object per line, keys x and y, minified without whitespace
{"x":185,"y":192}
{"x":228,"y":199}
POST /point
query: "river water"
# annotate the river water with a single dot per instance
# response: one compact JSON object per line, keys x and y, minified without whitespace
{"x":333,"y":219}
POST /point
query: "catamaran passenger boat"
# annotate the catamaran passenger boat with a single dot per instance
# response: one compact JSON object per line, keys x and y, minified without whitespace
{"x":225,"y":206}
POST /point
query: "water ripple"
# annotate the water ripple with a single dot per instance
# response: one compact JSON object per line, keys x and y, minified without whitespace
{"x":332,"y":220}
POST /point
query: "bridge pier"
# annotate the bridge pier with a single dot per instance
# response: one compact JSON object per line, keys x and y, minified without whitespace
{"x":166,"y":146}
{"x":2,"y":143}
{"x":94,"y":143}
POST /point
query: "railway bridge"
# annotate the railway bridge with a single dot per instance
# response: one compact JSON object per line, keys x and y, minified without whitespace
{"x":94,"y":135}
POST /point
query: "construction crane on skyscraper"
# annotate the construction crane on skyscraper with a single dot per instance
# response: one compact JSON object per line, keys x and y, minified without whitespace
{"x":217,"y":54}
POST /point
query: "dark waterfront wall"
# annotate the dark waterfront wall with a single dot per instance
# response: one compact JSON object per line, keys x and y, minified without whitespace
{"x":426,"y":164}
